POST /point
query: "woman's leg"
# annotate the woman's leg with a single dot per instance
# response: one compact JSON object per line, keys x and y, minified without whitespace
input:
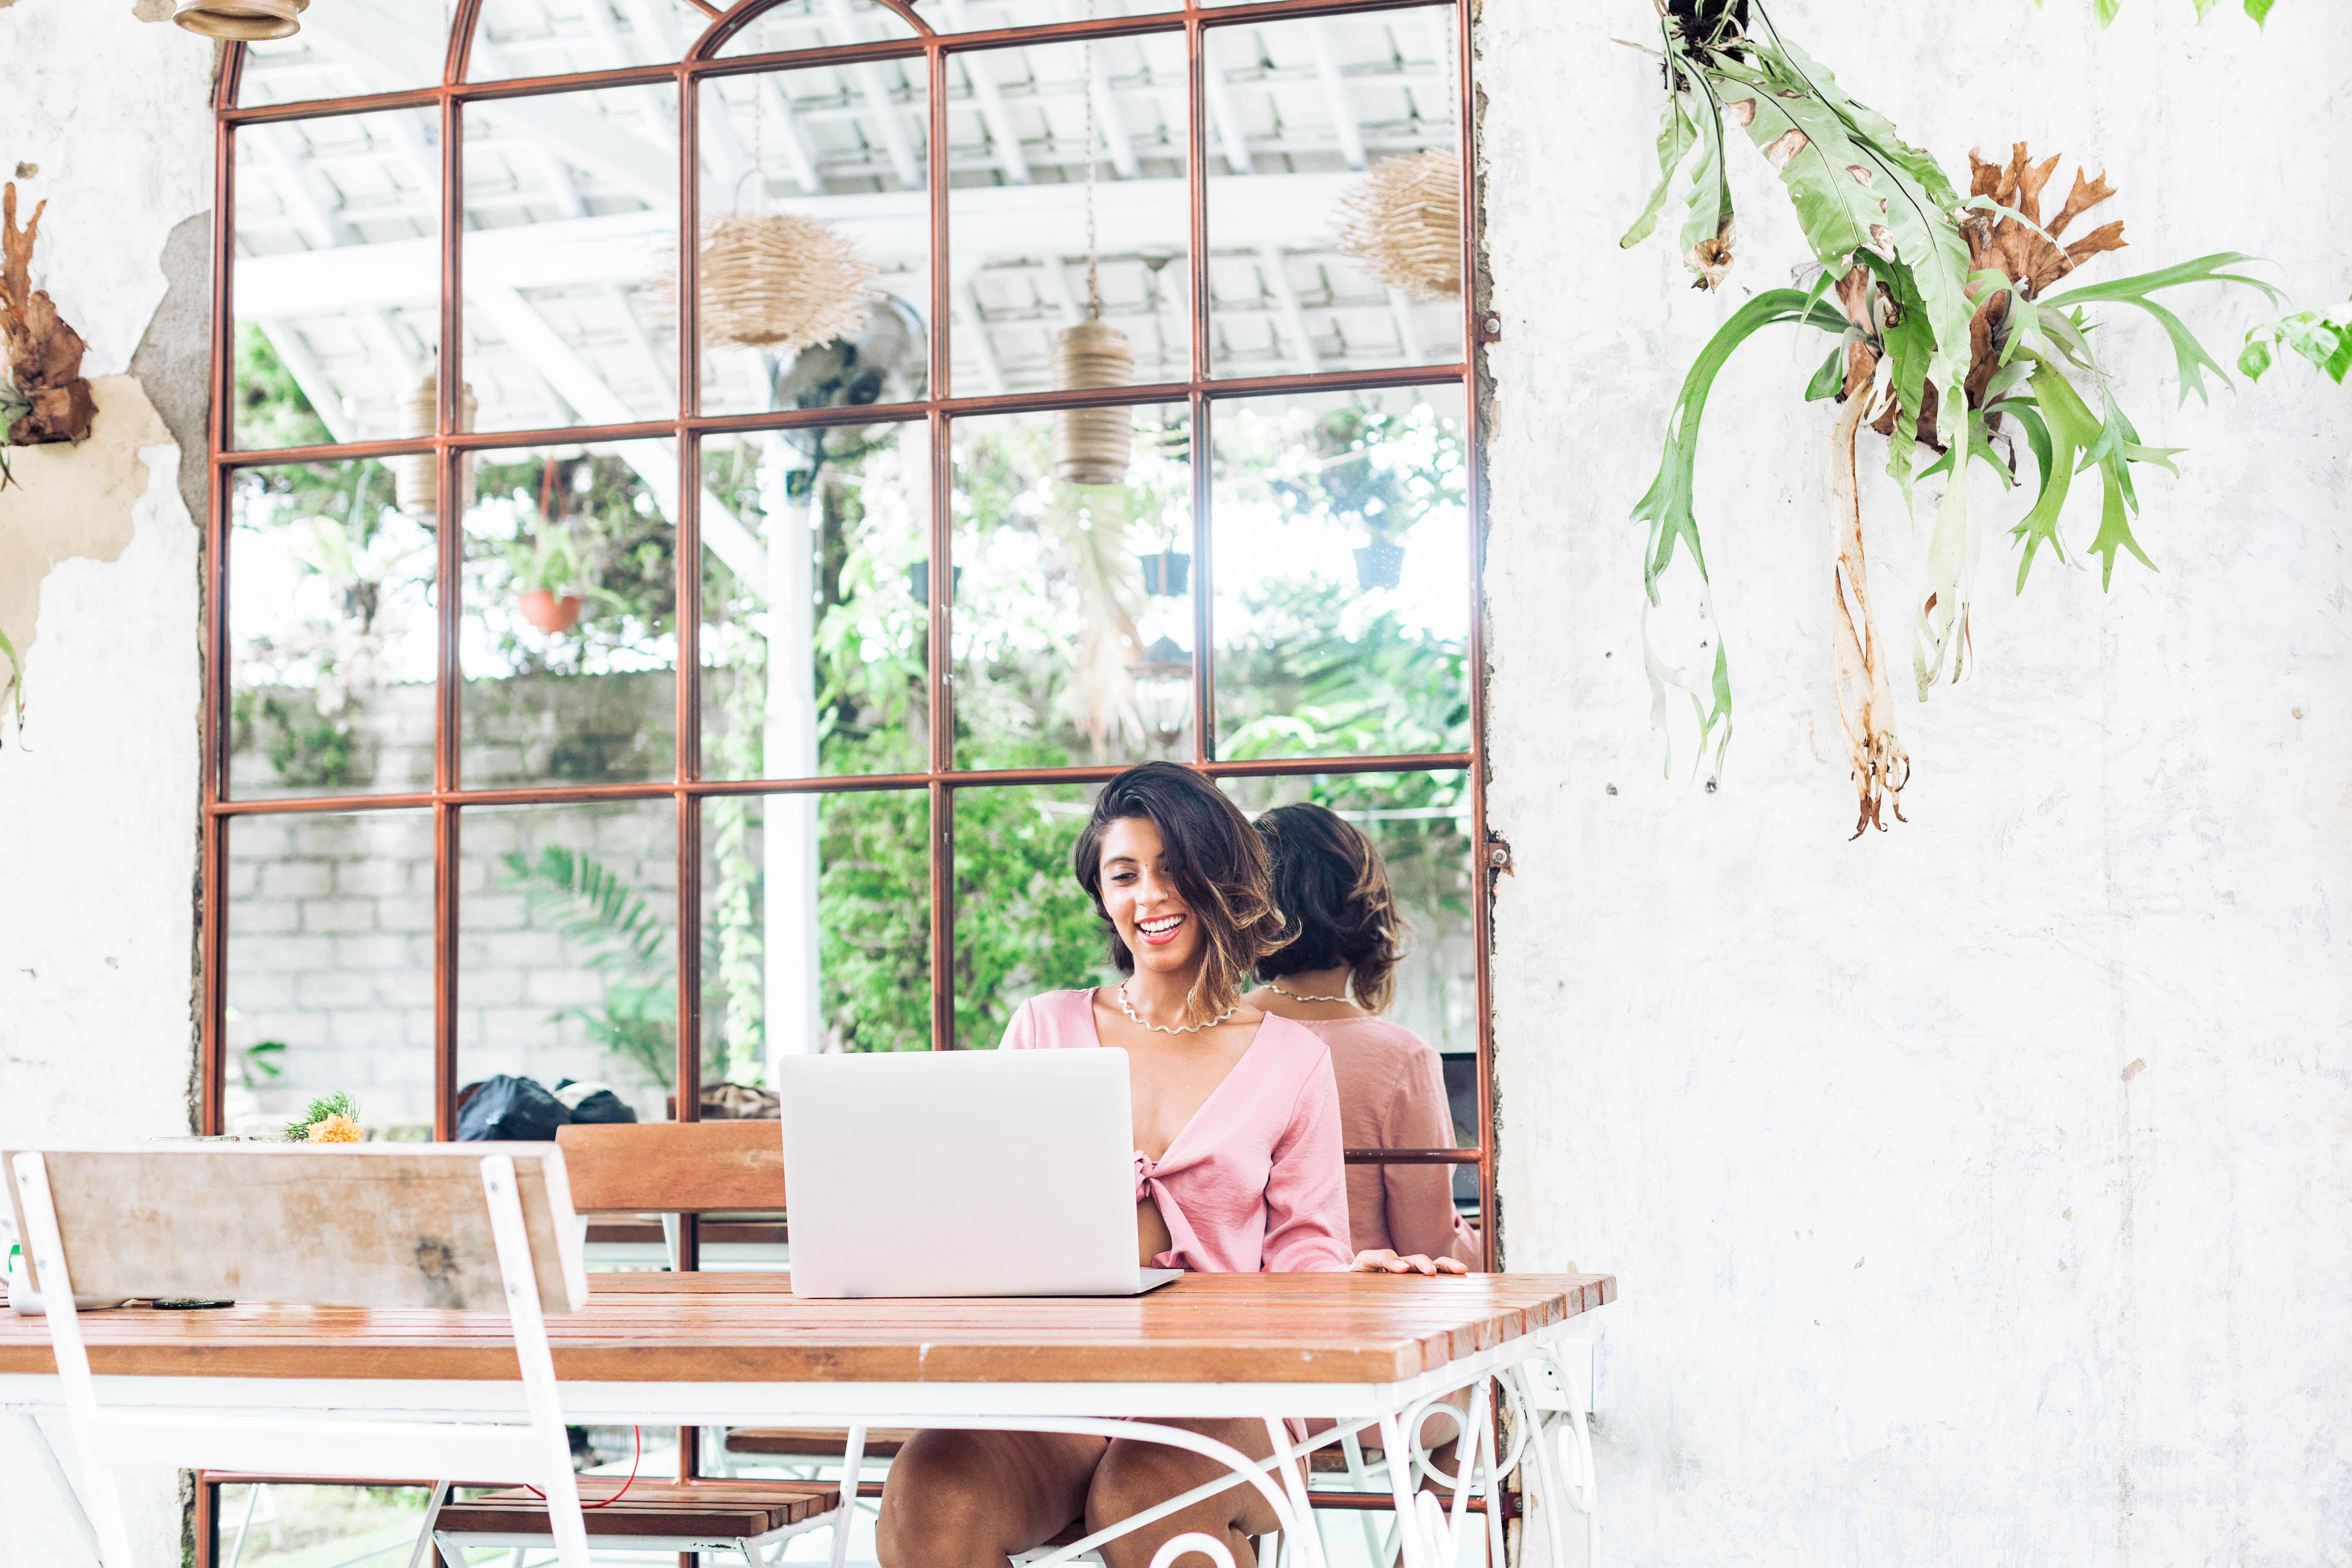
{"x":1136,"y":1474}
{"x":971,"y":1500}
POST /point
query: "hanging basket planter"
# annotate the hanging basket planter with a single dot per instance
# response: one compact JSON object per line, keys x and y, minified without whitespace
{"x":245,"y":21}
{"x":416,"y":477}
{"x":1092,"y":446}
{"x":1380,"y":565}
{"x":1167,"y":574}
{"x":1404,"y":222}
{"x":778,"y":280}
{"x":549,"y":614}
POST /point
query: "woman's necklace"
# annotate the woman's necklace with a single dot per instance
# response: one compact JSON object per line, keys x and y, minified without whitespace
{"x":1165,"y":1030}
{"x":1295,"y":996}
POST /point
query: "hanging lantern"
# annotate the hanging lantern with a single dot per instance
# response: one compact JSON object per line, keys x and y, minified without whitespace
{"x":416,"y":477}
{"x":1166,"y":572}
{"x":247,"y":21}
{"x":779,"y":281}
{"x":1091,"y":444}
{"x":1404,"y":222}
{"x":1163,"y":689}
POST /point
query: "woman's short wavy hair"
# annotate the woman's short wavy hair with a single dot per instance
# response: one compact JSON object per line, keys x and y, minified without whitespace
{"x":1334,"y":888}
{"x":1215,"y":861}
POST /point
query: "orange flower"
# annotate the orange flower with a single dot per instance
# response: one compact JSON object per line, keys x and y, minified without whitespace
{"x":334,"y":1129}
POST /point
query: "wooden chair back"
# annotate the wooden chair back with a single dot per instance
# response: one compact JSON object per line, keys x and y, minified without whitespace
{"x":675,"y":1167}
{"x":369,"y":1225}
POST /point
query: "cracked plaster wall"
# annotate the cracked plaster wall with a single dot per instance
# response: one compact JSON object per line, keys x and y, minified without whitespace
{"x":1916,"y":1268}
{"x":98,"y":562}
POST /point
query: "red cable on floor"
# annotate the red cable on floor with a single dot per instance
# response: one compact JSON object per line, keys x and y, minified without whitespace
{"x":637,"y":1454}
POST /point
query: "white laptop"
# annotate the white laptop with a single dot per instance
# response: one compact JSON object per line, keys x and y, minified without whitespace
{"x":961,"y":1173}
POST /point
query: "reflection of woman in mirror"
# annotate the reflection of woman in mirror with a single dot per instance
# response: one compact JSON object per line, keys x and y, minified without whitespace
{"x":1237,"y":1165}
{"x":1348,"y":935}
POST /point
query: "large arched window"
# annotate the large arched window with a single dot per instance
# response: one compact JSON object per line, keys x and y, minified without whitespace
{"x":632,"y":661}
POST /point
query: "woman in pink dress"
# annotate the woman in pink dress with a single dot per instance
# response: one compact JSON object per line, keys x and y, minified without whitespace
{"x":1237,"y":1169}
{"x":1336,"y":975}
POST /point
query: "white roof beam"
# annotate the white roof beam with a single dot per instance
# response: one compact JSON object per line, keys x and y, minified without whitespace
{"x":303,"y":366}
{"x":1232,"y":130}
{"x":1110,"y":122}
{"x":1287,"y":307}
{"x":1335,"y":93}
{"x":875,"y":88}
{"x":991,"y":96}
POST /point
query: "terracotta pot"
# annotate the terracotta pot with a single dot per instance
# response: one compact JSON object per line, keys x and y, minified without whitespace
{"x":548,"y":613}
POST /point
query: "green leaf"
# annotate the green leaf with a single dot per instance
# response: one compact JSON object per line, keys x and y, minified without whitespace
{"x":1676,"y":135}
{"x":2260,"y":10}
{"x":2133,"y":289}
{"x":2068,"y":430}
{"x":2205,"y":8}
{"x":1830,"y":380}
{"x":2254,"y":358}
{"x":2106,"y":10}
{"x":1708,"y":201}
{"x":1666,"y":506}
{"x":1853,"y":192}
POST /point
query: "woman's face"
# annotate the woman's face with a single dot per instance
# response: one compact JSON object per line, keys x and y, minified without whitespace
{"x":1151,"y":915}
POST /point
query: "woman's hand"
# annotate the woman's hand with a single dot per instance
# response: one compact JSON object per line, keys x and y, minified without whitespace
{"x":1382,"y":1261}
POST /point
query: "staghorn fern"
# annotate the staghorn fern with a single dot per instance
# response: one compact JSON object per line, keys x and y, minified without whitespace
{"x":1944,"y":341}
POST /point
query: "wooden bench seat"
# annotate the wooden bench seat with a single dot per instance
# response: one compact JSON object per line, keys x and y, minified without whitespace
{"x":815,"y":1442}
{"x":733,"y":1509}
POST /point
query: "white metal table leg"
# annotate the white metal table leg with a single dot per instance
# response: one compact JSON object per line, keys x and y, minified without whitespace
{"x":853,"y":1460}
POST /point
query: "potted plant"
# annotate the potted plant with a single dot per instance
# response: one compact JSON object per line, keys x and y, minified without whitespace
{"x":545,"y":571}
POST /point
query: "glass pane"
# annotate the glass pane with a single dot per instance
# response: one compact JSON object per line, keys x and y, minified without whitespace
{"x":336,"y":279}
{"x":1023,"y":923}
{"x":329,"y":980}
{"x":815,"y":601}
{"x":567,"y":948}
{"x":815,"y":25}
{"x":986,"y":15}
{"x":279,"y":1526}
{"x":343,"y":51}
{"x":1342,"y":566}
{"x":331,"y":630}
{"x":816,"y":264}
{"x":1335,"y":202}
{"x":569,"y":645}
{"x":816,"y":928}
{"x":1073,"y":606}
{"x":1026,"y":229}
{"x":571,"y":208}
{"x":1420,"y":824}
{"x":556,"y":38}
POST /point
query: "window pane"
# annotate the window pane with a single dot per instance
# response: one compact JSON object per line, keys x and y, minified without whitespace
{"x":556,"y":38}
{"x":279,"y":1526}
{"x":569,"y":643}
{"x":1073,"y":618}
{"x":567,"y":947}
{"x":1420,"y":824}
{"x":1023,"y":923}
{"x":1342,"y":567}
{"x":815,"y":25}
{"x":329,"y":981}
{"x":346,"y":50}
{"x":335,"y":283}
{"x":331,"y":631}
{"x":816,"y":595}
{"x":571,"y":208}
{"x":816,"y":237}
{"x":816,"y":928}
{"x":1335,"y":204}
{"x":986,"y":15}
{"x":1021,"y":211}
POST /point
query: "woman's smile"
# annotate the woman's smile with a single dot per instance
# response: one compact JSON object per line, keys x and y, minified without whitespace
{"x":1159,"y":931}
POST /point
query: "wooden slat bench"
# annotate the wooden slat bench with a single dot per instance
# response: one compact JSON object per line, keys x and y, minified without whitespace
{"x":747,"y":1517}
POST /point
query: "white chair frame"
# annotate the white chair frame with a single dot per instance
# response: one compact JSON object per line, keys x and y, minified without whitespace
{"x":180,"y":1437}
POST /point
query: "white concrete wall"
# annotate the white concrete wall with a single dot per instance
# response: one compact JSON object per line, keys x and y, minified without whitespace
{"x":99,"y":807}
{"x":1915,"y":1268}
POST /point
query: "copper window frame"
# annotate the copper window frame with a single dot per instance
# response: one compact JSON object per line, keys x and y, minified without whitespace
{"x":686,"y":790}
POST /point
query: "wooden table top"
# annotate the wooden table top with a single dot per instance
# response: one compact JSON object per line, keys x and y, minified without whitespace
{"x":738,"y":1327}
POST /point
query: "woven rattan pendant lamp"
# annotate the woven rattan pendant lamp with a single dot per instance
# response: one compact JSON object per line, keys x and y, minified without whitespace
{"x":1092,"y":446}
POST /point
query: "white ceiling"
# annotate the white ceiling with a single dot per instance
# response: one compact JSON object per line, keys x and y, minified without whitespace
{"x":569,"y":200}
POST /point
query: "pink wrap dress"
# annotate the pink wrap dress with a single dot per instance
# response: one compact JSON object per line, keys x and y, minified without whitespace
{"x":1255,"y":1183}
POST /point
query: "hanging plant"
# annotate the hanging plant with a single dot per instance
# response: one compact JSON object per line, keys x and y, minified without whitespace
{"x":1945,"y":340}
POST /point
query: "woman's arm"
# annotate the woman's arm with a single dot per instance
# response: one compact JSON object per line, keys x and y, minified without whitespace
{"x":1306,"y":1190}
{"x":1420,"y":1198}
